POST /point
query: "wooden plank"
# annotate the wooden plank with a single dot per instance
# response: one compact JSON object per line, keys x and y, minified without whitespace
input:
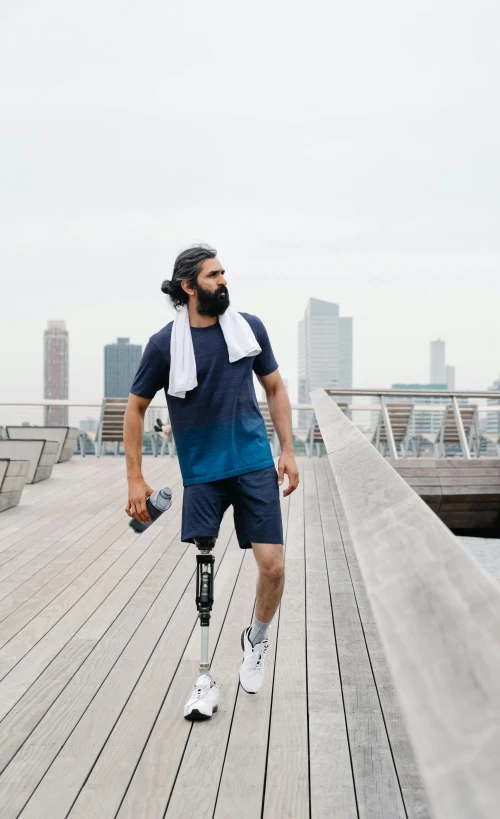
{"x":438,"y":617}
{"x":79,"y":557}
{"x":127,"y":704}
{"x":33,"y":513}
{"x":86,"y":583}
{"x":287,"y":782}
{"x":195,"y":789}
{"x":128,"y":549}
{"x":106,"y":634}
{"x":57,"y":522}
{"x":331,"y":776}
{"x":415,"y":801}
{"x":376,"y":782}
{"x":241,"y":784}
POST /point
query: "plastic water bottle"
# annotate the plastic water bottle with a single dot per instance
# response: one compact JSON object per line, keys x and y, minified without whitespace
{"x":158,"y":502}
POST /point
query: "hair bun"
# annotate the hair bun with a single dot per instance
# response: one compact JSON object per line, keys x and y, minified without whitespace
{"x":166,"y":287}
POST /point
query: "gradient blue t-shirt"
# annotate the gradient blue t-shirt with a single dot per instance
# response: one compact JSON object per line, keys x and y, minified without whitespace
{"x":218,"y":428}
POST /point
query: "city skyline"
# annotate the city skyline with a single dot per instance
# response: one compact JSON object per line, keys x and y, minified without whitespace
{"x":438,"y":344}
{"x":355,"y":176}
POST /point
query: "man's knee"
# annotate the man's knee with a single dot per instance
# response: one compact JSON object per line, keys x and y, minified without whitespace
{"x":272,"y":568}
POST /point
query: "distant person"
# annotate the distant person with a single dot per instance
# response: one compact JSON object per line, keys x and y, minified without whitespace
{"x":159,"y":426}
{"x":204,"y":360}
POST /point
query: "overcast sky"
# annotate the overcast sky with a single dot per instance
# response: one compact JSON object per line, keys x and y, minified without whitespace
{"x":343,"y":150}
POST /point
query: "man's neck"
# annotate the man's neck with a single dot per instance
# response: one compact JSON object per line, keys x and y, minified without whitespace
{"x":195,"y":320}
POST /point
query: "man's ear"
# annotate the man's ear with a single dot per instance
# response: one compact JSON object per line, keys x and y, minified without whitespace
{"x":187,"y":287}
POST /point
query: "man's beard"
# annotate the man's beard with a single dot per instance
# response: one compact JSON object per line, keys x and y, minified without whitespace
{"x":212,"y":304}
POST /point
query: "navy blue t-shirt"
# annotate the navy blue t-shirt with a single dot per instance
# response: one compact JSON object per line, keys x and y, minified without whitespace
{"x":218,"y":428}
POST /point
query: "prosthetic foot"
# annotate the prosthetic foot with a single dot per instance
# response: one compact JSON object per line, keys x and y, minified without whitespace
{"x":204,"y":700}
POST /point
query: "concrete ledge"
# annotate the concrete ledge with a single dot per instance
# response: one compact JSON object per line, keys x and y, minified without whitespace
{"x":13,"y":476}
{"x":66,"y":438}
{"x":40,"y":454}
{"x":438,"y":617}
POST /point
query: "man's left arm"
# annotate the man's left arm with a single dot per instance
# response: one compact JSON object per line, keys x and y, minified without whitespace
{"x":281,"y":415}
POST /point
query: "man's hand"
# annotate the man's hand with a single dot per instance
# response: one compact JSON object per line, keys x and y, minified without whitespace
{"x":287,"y":465}
{"x":138,"y":493}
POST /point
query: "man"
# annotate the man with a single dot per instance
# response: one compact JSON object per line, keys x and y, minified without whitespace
{"x":222,"y":445}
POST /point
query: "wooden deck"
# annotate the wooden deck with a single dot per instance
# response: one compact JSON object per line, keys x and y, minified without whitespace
{"x":99,"y":648}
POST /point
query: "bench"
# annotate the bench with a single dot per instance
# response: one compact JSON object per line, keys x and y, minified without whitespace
{"x":393,"y":427}
{"x":41,"y":455}
{"x":66,"y":438}
{"x":13,"y":476}
{"x":110,"y":429}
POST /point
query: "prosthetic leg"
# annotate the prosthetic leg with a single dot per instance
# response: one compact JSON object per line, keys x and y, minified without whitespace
{"x":204,"y":593}
{"x":204,"y":700}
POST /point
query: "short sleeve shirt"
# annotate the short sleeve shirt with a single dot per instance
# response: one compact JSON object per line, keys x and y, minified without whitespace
{"x":218,"y":428}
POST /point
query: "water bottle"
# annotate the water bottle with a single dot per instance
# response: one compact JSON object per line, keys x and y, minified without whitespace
{"x":158,"y":502}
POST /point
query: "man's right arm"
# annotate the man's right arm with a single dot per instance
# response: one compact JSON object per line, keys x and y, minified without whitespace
{"x":133,"y":432}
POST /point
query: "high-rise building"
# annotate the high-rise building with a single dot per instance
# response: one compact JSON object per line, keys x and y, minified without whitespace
{"x":440,"y":371}
{"x":121,"y":361}
{"x":438,"y":365}
{"x":325,"y":351}
{"x":55,"y":371}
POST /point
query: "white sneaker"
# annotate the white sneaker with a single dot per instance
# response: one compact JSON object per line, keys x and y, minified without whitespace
{"x":204,"y":700}
{"x":252,"y":667}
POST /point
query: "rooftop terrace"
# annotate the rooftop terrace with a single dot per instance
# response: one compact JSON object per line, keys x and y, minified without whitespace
{"x":384,"y":651}
{"x":100,"y":648}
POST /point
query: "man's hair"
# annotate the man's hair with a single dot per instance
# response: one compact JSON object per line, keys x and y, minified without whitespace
{"x":186,"y":268}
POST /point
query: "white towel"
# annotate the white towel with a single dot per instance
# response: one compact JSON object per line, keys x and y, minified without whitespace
{"x":238,"y":335}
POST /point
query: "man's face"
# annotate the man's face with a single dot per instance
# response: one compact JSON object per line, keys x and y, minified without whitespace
{"x":211,"y":289}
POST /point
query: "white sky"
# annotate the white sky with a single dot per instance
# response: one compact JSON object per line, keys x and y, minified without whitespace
{"x":347,"y":151}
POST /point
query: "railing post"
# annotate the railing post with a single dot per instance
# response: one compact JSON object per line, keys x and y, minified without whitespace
{"x":388,"y":429}
{"x":461,"y":431}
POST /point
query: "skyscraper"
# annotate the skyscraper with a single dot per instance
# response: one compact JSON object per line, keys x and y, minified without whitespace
{"x":121,"y":361}
{"x":440,"y":371}
{"x":325,"y":351}
{"x":55,"y":371}
{"x":438,"y":366}
{"x":450,"y":376}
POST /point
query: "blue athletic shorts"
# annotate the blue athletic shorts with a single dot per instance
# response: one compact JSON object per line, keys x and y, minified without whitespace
{"x":256,"y":504}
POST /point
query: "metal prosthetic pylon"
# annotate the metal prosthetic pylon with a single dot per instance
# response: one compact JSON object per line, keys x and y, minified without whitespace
{"x":204,"y":594}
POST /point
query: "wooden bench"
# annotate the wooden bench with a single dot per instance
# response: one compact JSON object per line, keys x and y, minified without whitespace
{"x":41,"y":455}
{"x":394,"y":427}
{"x":110,"y":429}
{"x":66,"y":438}
{"x":13,"y":475}
{"x":450,"y":432}
{"x":438,"y":616}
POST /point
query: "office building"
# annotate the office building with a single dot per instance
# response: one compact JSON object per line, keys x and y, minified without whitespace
{"x":55,"y":371}
{"x":437,"y":363}
{"x":121,"y":361}
{"x":440,"y":371}
{"x":325,"y":352}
